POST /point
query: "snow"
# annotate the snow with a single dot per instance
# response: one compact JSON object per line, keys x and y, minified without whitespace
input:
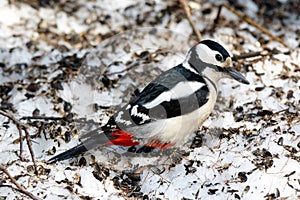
{"x":246,"y":152}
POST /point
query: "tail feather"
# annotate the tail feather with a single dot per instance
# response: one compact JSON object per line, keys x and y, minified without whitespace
{"x":96,"y":139}
{"x":68,"y":154}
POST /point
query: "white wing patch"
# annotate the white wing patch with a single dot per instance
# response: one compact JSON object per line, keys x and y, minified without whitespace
{"x":165,"y":96}
{"x":128,"y":107}
{"x":182,"y":89}
{"x":119,"y":119}
{"x":135,"y":112}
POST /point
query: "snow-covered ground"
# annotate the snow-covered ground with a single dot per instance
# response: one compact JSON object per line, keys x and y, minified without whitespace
{"x":70,"y":58}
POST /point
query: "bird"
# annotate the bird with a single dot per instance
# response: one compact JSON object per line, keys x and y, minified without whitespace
{"x":170,"y":108}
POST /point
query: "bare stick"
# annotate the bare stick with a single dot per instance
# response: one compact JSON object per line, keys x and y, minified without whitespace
{"x":21,"y":127}
{"x":20,"y":187}
{"x":42,"y":117}
{"x":45,"y":118}
{"x":188,"y":14}
{"x":249,"y":21}
{"x":251,"y":54}
{"x":121,"y":71}
{"x":217,"y":18}
{"x":30,"y":149}
{"x":135,"y":64}
{"x":13,"y":188}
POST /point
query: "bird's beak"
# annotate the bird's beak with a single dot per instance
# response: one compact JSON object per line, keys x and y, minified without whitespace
{"x":233,"y":73}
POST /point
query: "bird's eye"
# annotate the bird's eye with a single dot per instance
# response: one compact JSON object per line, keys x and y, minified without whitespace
{"x":219,"y":57}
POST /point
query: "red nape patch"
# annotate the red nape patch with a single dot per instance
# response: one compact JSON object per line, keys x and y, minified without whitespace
{"x":197,"y":43}
{"x":157,"y":144}
{"x":121,"y":138}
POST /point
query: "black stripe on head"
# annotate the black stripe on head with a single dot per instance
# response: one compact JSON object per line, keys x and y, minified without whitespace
{"x":195,"y":62}
{"x":216,"y":47}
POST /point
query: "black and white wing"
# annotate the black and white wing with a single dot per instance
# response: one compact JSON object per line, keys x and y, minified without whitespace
{"x":175,"y":92}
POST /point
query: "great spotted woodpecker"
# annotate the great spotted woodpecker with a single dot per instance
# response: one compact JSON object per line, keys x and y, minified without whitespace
{"x":169,"y":108}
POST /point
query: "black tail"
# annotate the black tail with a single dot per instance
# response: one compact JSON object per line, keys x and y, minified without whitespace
{"x":68,"y":154}
{"x":95,"y":139}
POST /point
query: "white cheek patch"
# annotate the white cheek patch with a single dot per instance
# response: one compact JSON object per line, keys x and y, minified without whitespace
{"x":182,"y":89}
{"x":207,"y":55}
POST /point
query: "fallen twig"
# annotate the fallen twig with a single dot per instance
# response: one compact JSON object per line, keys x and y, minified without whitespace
{"x":132,"y":65}
{"x":42,"y":117}
{"x":20,"y":188}
{"x":30,"y":149}
{"x":50,"y":118}
{"x":20,"y":127}
{"x":189,"y":17}
{"x":251,"y":55}
{"x":9,"y":116}
{"x":249,"y":21}
{"x":135,"y":64}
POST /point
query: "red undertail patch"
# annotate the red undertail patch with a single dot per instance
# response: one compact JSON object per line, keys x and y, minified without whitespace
{"x":122,"y":138}
{"x":157,"y":144}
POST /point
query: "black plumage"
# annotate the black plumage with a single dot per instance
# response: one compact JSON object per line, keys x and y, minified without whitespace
{"x":166,"y":109}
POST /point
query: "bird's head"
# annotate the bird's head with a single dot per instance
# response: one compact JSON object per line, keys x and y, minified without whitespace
{"x":211,"y":59}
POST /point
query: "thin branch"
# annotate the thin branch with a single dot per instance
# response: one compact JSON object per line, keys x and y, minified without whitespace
{"x":276,"y":113}
{"x":132,"y":65}
{"x":216,"y":20}
{"x":20,"y":187}
{"x":189,"y":17}
{"x":135,"y":64}
{"x":249,"y":21}
{"x":45,"y":118}
{"x":42,"y":117}
{"x":21,"y":127}
{"x":27,"y":136}
{"x":251,"y":55}
{"x":13,"y":188}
